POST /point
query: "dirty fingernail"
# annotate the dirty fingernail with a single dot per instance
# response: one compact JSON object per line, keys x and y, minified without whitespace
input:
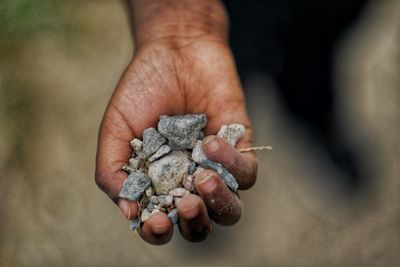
{"x":211,"y":143}
{"x":205,"y":182}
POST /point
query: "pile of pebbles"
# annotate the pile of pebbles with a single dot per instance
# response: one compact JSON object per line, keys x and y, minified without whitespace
{"x":165,"y":163}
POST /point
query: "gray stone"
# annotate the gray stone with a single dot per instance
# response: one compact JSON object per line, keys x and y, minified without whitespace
{"x":150,"y":207}
{"x":231,"y":133}
{"x":192,"y":167}
{"x":173,"y":216}
{"x":165,"y":200}
{"x":161,"y":152}
{"x":133,"y":224}
{"x":134,"y":185}
{"x":198,"y":152}
{"x":154,"y":199}
{"x":152,"y":141}
{"x":182,"y":131}
{"x":228,"y":178}
{"x":168,"y":172}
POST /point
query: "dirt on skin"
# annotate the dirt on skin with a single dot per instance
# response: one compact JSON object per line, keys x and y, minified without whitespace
{"x":54,"y":86}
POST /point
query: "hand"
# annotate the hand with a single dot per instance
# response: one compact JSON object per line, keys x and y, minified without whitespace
{"x":179,"y":76}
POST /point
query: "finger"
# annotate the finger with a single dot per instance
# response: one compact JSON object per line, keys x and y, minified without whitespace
{"x":194,"y":223}
{"x":242,"y":166}
{"x":157,"y":229}
{"x":224,"y":206}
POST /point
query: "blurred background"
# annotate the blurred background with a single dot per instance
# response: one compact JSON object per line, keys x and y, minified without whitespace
{"x":320,"y":199}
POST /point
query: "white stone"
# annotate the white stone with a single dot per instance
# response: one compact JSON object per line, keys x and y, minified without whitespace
{"x":231,"y":133}
{"x":167,"y":173}
{"x":149,"y":191}
{"x":134,"y":163}
{"x":178,"y":192}
{"x":136,"y":144}
{"x":198,"y":152}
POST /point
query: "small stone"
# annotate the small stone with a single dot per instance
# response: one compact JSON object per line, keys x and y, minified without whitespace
{"x":134,"y":185}
{"x":134,"y":163}
{"x":154,"y":199}
{"x":182,"y":131}
{"x":127,"y":168}
{"x":133,"y":224}
{"x":161,"y":152}
{"x":173,"y":216}
{"x":152,"y":141}
{"x":136,"y":144}
{"x":192,"y":167}
{"x":231,"y":133}
{"x":145,"y":215}
{"x":201,"y":135}
{"x":149,"y":191}
{"x":228,"y":178}
{"x":178,"y":192}
{"x":150,"y":207}
{"x":198,"y":152}
{"x":176,"y":201}
{"x":168,"y":172}
{"x":188,"y":183}
{"x":165,"y":200}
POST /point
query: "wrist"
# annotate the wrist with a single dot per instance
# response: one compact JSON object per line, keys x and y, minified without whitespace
{"x":177,"y":23}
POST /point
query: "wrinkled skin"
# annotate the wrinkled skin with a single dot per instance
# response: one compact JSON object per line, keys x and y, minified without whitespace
{"x":194,"y":76}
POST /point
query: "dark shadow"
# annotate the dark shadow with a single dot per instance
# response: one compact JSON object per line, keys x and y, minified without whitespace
{"x":294,"y":42}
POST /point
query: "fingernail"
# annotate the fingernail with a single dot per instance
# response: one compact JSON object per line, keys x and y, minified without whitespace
{"x":123,"y":204}
{"x":205,"y":182}
{"x":211,"y":143}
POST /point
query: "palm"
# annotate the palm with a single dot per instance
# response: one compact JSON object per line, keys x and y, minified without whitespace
{"x":199,"y":78}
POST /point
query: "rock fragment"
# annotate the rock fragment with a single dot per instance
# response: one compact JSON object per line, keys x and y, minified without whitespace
{"x":165,"y":200}
{"x":182,"y":131}
{"x":161,"y":152}
{"x":145,"y":215}
{"x":127,"y":168}
{"x":136,"y":144}
{"x":149,"y":191}
{"x":168,"y":172}
{"x":134,"y":185}
{"x":192,"y":168}
{"x":188,"y":183}
{"x":198,"y":152}
{"x":228,"y":178}
{"x":173,"y":216}
{"x":133,"y":224}
{"x":152,"y":141}
{"x":134,"y":163}
{"x":178,"y":192}
{"x":231,"y":133}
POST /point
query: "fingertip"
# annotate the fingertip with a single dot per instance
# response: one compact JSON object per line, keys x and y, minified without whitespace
{"x":206,"y":181}
{"x":128,"y":208}
{"x":157,"y":230}
{"x":189,"y":206}
{"x":194,"y":223}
